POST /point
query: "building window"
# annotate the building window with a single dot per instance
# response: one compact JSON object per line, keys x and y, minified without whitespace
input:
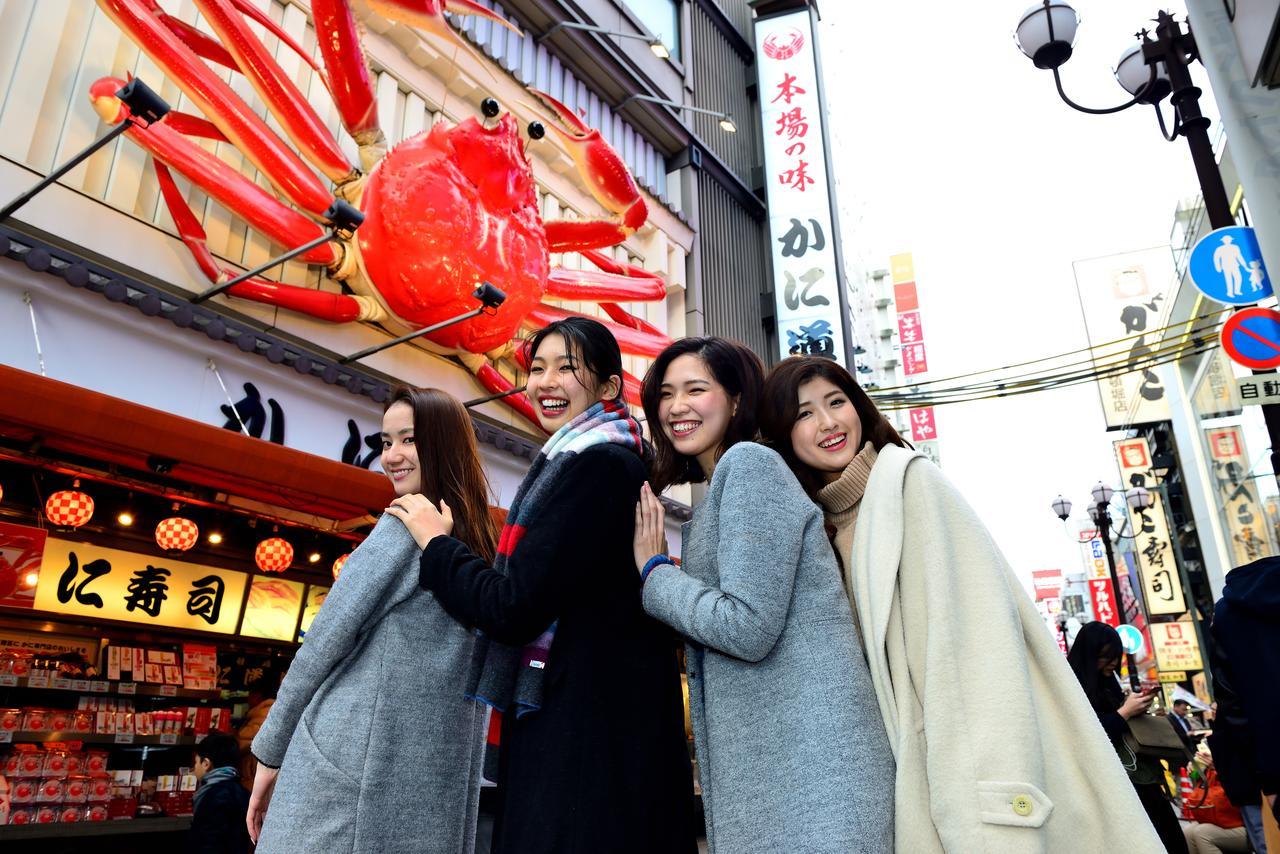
{"x":660,"y":17}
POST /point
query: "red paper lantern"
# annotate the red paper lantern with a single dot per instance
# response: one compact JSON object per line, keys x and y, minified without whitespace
{"x":273,"y":555}
{"x":177,"y":534}
{"x":338,"y":565}
{"x":69,"y":508}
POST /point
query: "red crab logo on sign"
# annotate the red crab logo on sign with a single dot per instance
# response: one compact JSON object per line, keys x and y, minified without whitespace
{"x":783,"y":44}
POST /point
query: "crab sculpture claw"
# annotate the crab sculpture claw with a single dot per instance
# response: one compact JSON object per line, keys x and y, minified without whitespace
{"x":607,"y":177}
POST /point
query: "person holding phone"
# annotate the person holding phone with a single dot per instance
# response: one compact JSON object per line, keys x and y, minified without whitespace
{"x":1095,"y":658}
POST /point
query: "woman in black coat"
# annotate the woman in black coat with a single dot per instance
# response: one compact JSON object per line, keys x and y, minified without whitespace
{"x":593,"y":757}
{"x":1095,"y":657}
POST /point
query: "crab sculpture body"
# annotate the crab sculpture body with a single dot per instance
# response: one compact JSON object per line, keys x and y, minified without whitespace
{"x":445,"y":211}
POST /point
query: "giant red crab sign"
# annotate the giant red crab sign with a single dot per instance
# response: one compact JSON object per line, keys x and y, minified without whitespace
{"x":445,"y":210}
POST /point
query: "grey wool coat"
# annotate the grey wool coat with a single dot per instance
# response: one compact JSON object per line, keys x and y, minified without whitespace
{"x":792,"y":752}
{"x":379,"y":751}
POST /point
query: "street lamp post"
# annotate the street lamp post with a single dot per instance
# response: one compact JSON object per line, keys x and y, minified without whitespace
{"x":1150,"y":71}
{"x":1100,"y":514}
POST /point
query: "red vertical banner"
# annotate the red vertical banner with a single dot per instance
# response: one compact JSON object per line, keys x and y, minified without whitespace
{"x":910,"y":328}
{"x":1103,"y":595}
{"x":923,"y":428}
{"x":914,"y":360}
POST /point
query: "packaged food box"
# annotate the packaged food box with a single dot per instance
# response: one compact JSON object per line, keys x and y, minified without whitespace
{"x":35,"y":720}
{"x":123,"y":807}
{"x":9,"y":765}
{"x":95,"y":762}
{"x":82,"y":722}
{"x":60,"y":720}
{"x":47,"y":814}
{"x":166,"y":783}
{"x":22,"y":816}
{"x":23,"y":791}
{"x":55,"y":764}
{"x":50,"y":792}
{"x":70,"y":812}
{"x":96,"y":812}
{"x":99,"y":789}
{"x":76,"y":790}
{"x":30,"y":764}
{"x":10,"y":720}
{"x":75,"y":763}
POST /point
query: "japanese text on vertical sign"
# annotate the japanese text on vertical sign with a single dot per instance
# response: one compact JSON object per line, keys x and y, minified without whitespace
{"x":1161,"y":584}
{"x":806,"y":278}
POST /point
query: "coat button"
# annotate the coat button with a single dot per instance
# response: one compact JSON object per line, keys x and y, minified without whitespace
{"x":1022,"y":805}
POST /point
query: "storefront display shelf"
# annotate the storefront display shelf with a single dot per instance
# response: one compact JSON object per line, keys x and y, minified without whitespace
{"x":160,"y":824}
{"x":97,"y":686}
{"x":100,"y":738}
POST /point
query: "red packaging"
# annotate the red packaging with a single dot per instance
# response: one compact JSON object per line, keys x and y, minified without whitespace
{"x":99,"y":790}
{"x":82,"y":722}
{"x":122,"y":808}
{"x":21,"y":664}
{"x":95,"y":762}
{"x":35,"y":720}
{"x":60,"y":720}
{"x":50,"y":792}
{"x":204,"y":720}
{"x":10,"y":720}
{"x":47,"y":814}
{"x":30,"y":764}
{"x":75,"y":764}
{"x":96,"y":812}
{"x":75,"y":790}
{"x":23,"y":791}
{"x":70,"y":812}
{"x":9,"y":767}
{"x":55,"y":764}
{"x":22,"y":816}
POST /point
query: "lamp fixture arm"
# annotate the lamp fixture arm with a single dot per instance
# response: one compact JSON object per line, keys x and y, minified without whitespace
{"x":1057,"y":79}
{"x":1169,"y":135}
{"x":672,"y":104}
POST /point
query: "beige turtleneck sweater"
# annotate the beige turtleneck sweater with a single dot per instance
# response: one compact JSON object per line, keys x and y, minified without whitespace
{"x":840,"y":500}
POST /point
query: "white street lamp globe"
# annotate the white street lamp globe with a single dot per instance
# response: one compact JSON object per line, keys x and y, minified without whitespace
{"x":1047,"y":32}
{"x":1062,"y":507}
{"x":1102,"y":493}
{"x":1133,"y":74}
{"x":1139,"y":498}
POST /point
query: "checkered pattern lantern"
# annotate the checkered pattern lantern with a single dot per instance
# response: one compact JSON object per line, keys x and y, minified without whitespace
{"x":177,"y":534}
{"x":338,"y":565}
{"x":273,"y":555}
{"x":69,"y":508}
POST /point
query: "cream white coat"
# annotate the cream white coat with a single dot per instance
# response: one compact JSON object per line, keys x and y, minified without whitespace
{"x":997,"y":749}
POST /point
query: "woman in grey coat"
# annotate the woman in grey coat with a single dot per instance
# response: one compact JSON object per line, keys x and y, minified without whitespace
{"x":792,"y":753}
{"x":370,"y":746}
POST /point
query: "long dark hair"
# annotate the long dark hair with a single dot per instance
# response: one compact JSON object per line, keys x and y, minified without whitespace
{"x":590,"y":346}
{"x":737,"y":369}
{"x":781,"y":406}
{"x":449,"y":464}
{"x":1092,"y":642}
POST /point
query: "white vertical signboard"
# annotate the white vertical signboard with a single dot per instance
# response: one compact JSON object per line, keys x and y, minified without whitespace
{"x":806,"y":278}
{"x":1126,"y":300}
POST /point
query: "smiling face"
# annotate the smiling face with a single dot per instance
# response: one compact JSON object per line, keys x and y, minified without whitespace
{"x":399,"y":453}
{"x":827,"y":434}
{"x":694,"y":410}
{"x":556,"y":385}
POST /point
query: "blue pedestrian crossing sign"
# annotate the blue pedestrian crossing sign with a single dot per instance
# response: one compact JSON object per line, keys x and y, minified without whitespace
{"x":1130,"y":639}
{"x":1226,"y":265}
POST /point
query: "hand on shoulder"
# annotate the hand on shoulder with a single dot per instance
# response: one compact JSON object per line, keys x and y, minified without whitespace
{"x":421,"y":517}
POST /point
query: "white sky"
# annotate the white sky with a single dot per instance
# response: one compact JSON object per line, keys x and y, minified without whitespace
{"x":953,"y":146}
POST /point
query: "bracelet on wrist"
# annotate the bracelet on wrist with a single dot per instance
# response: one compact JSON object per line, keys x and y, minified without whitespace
{"x":652,"y":564}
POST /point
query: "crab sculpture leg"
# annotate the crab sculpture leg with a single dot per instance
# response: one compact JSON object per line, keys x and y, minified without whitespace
{"x":181,"y":51}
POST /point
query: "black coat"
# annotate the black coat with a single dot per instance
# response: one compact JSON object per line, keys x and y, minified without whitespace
{"x":218,"y":825}
{"x":602,"y":767}
{"x":1245,"y":658}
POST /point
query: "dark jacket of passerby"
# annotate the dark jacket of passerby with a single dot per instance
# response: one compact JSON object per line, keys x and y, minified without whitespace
{"x":1245,"y":659}
{"x":218,"y":825}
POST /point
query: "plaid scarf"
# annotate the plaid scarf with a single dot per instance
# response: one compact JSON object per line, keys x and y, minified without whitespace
{"x":215,"y":775}
{"x":503,"y":675}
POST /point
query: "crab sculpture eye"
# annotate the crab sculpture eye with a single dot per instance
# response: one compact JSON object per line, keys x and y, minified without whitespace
{"x":489,"y":106}
{"x":536,"y":130}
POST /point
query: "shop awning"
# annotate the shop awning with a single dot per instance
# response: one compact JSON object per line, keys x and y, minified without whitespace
{"x":74,"y":420}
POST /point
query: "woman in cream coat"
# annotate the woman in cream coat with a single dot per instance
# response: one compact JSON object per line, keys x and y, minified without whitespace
{"x":994,"y":742}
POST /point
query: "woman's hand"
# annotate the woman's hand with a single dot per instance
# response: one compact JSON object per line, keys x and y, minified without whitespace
{"x":650,"y":536}
{"x":264,"y":785}
{"x":421,"y":517}
{"x":1136,"y":704}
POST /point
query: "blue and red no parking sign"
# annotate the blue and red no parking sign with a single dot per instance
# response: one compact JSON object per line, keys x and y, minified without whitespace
{"x":1251,"y":337}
